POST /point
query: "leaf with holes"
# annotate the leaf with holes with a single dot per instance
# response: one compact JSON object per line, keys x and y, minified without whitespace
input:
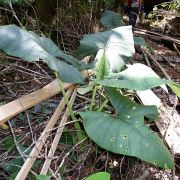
{"x":126,"y":133}
{"x":118,"y":44}
{"x":30,"y":47}
{"x":124,"y":106}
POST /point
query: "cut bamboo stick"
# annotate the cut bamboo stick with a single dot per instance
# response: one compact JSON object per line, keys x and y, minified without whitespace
{"x":17,"y":106}
{"x":57,"y":138}
{"x":41,"y":141}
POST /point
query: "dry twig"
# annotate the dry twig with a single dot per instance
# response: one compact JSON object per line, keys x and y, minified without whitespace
{"x":57,"y":137}
{"x":41,"y":141}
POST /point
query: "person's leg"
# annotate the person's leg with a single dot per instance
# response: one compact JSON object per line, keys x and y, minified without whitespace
{"x":133,"y":16}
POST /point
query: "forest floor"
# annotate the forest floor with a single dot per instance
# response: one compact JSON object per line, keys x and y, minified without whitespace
{"x":18,"y":78}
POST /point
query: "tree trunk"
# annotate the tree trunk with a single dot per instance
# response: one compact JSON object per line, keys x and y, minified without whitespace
{"x":99,"y":6}
{"x":45,"y":10}
{"x":117,"y":5}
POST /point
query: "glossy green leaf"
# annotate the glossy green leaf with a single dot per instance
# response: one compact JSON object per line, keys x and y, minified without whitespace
{"x":135,"y":77}
{"x":99,"y":176}
{"x":13,"y":176}
{"x":118,"y":44}
{"x":12,"y":166}
{"x":84,"y":89}
{"x":139,"y":41}
{"x":124,"y":106}
{"x":175,"y":87}
{"x":42,"y":177}
{"x":111,"y":20}
{"x":8,"y":144}
{"x":30,"y":47}
{"x":126,"y":133}
{"x":67,"y":137}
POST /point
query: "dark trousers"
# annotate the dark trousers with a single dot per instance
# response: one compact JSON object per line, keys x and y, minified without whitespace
{"x":133,"y":14}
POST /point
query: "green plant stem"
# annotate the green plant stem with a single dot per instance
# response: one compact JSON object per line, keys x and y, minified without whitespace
{"x":99,"y":76}
{"x":103,"y":105}
{"x":80,"y":135}
{"x":69,"y":106}
{"x":93,"y":98}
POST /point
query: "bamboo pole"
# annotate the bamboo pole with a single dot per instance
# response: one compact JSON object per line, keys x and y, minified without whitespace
{"x":17,"y":106}
{"x":41,"y":141}
{"x":57,"y":137}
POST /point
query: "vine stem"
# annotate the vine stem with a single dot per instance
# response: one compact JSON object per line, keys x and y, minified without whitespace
{"x":93,"y":98}
{"x":103,"y":105}
{"x":69,"y":106}
{"x":100,"y":57}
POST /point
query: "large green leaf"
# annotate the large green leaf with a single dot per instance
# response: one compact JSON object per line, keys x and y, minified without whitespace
{"x":52,"y":49}
{"x":126,"y":134}
{"x":125,"y":107}
{"x":111,"y":20}
{"x":30,"y":47}
{"x":99,"y":176}
{"x":42,"y":177}
{"x":175,"y":87}
{"x":135,"y":77}
{"x":118,"y":44}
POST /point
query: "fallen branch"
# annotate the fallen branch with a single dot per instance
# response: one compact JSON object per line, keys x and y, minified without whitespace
{"x":171,"y":64}
{"x":156,"y":35}
{"x":145,"y":57}
{"x":175,"y":47}
{"x":160,"y":67}
{"x":57,"y":137}
{"x":67,"y":154}
{"x":41,"y":141}
{"x":17,"y":106}
{"x":171,"y":59}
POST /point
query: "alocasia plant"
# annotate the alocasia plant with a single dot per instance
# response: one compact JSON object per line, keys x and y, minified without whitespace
{"x":125,"y":133}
